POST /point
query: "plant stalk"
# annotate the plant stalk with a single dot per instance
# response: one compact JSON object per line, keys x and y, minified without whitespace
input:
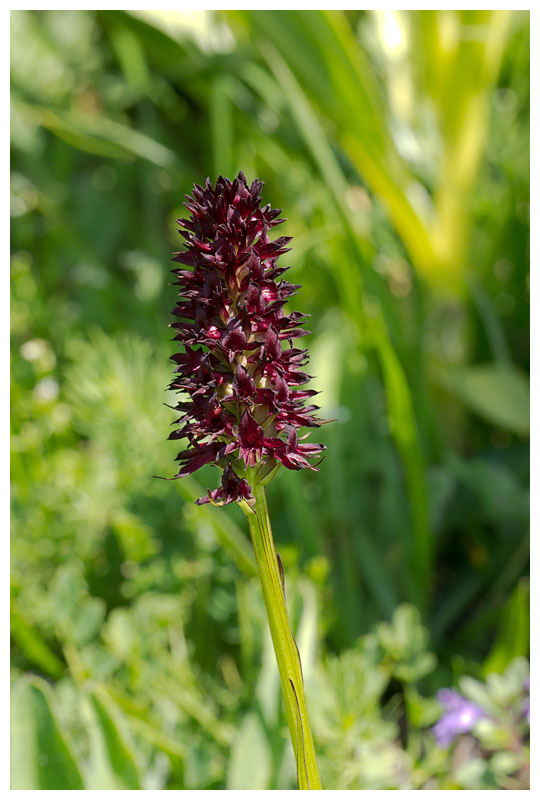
{"x":287,"y":655}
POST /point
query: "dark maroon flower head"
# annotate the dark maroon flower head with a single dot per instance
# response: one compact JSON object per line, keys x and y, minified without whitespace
{"x":238,"y":371}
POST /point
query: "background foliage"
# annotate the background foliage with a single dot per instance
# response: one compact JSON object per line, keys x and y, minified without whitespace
{"x":397,"y":143}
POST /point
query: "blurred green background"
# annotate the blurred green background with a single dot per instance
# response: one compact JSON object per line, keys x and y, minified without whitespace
{"x":397,"y":144}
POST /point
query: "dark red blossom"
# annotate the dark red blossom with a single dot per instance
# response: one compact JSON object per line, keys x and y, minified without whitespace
{"x":238,"y":370}
{"x":233,"y":488}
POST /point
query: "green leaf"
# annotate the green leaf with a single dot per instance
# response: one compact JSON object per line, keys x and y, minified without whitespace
{"x":156,"y":737}
{"x":229,"y":535}
{"x":400,"y":409}
{"x":221,"y":125}
{"x":41,"y":757}
{"x":251,"y":760}
{"x":33,"y":646}
{"x":88,"y":620}
{"x":404,"y":643}
{"x":136,"y":538}
{"x":477,"y":692}
{"x":496,"y":488}
{"x":497,"y":392}
{"x":323,"y":54}
{"x":514,"y":631}
{"x":130,"y":54}
{"x":505,"y":763}
{"x":78,"y":616}
{"x":421,"y":711}
{"x":507,"y":689}
{"x":112,"y":754}
{"x":469,"y":774}
{"x":198,"y":706}
{"x":100,"y":136}
{"x":493,"y":735}
{"x":405,"y":432}
{"x":164,"y":53}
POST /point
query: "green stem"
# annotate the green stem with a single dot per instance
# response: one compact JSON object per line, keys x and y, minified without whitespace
{"x":287,"y":655}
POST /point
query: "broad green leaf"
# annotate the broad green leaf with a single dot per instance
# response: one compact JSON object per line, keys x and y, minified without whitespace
{"x":251,"y":759}
{"x":33,"y":646}
{"x":497,"y":392}
{"x":113,"y":763}
{"x":41,"y":757}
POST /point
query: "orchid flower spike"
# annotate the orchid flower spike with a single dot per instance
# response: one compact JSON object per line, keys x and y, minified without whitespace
{"x":240,"y":375}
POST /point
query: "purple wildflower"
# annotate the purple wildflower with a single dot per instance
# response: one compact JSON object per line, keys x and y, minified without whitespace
{"x":244,"y":403}
{"x":460,"y":716}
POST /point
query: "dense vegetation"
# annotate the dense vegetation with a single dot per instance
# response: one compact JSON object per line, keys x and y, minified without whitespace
{"x":398,"y":145}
